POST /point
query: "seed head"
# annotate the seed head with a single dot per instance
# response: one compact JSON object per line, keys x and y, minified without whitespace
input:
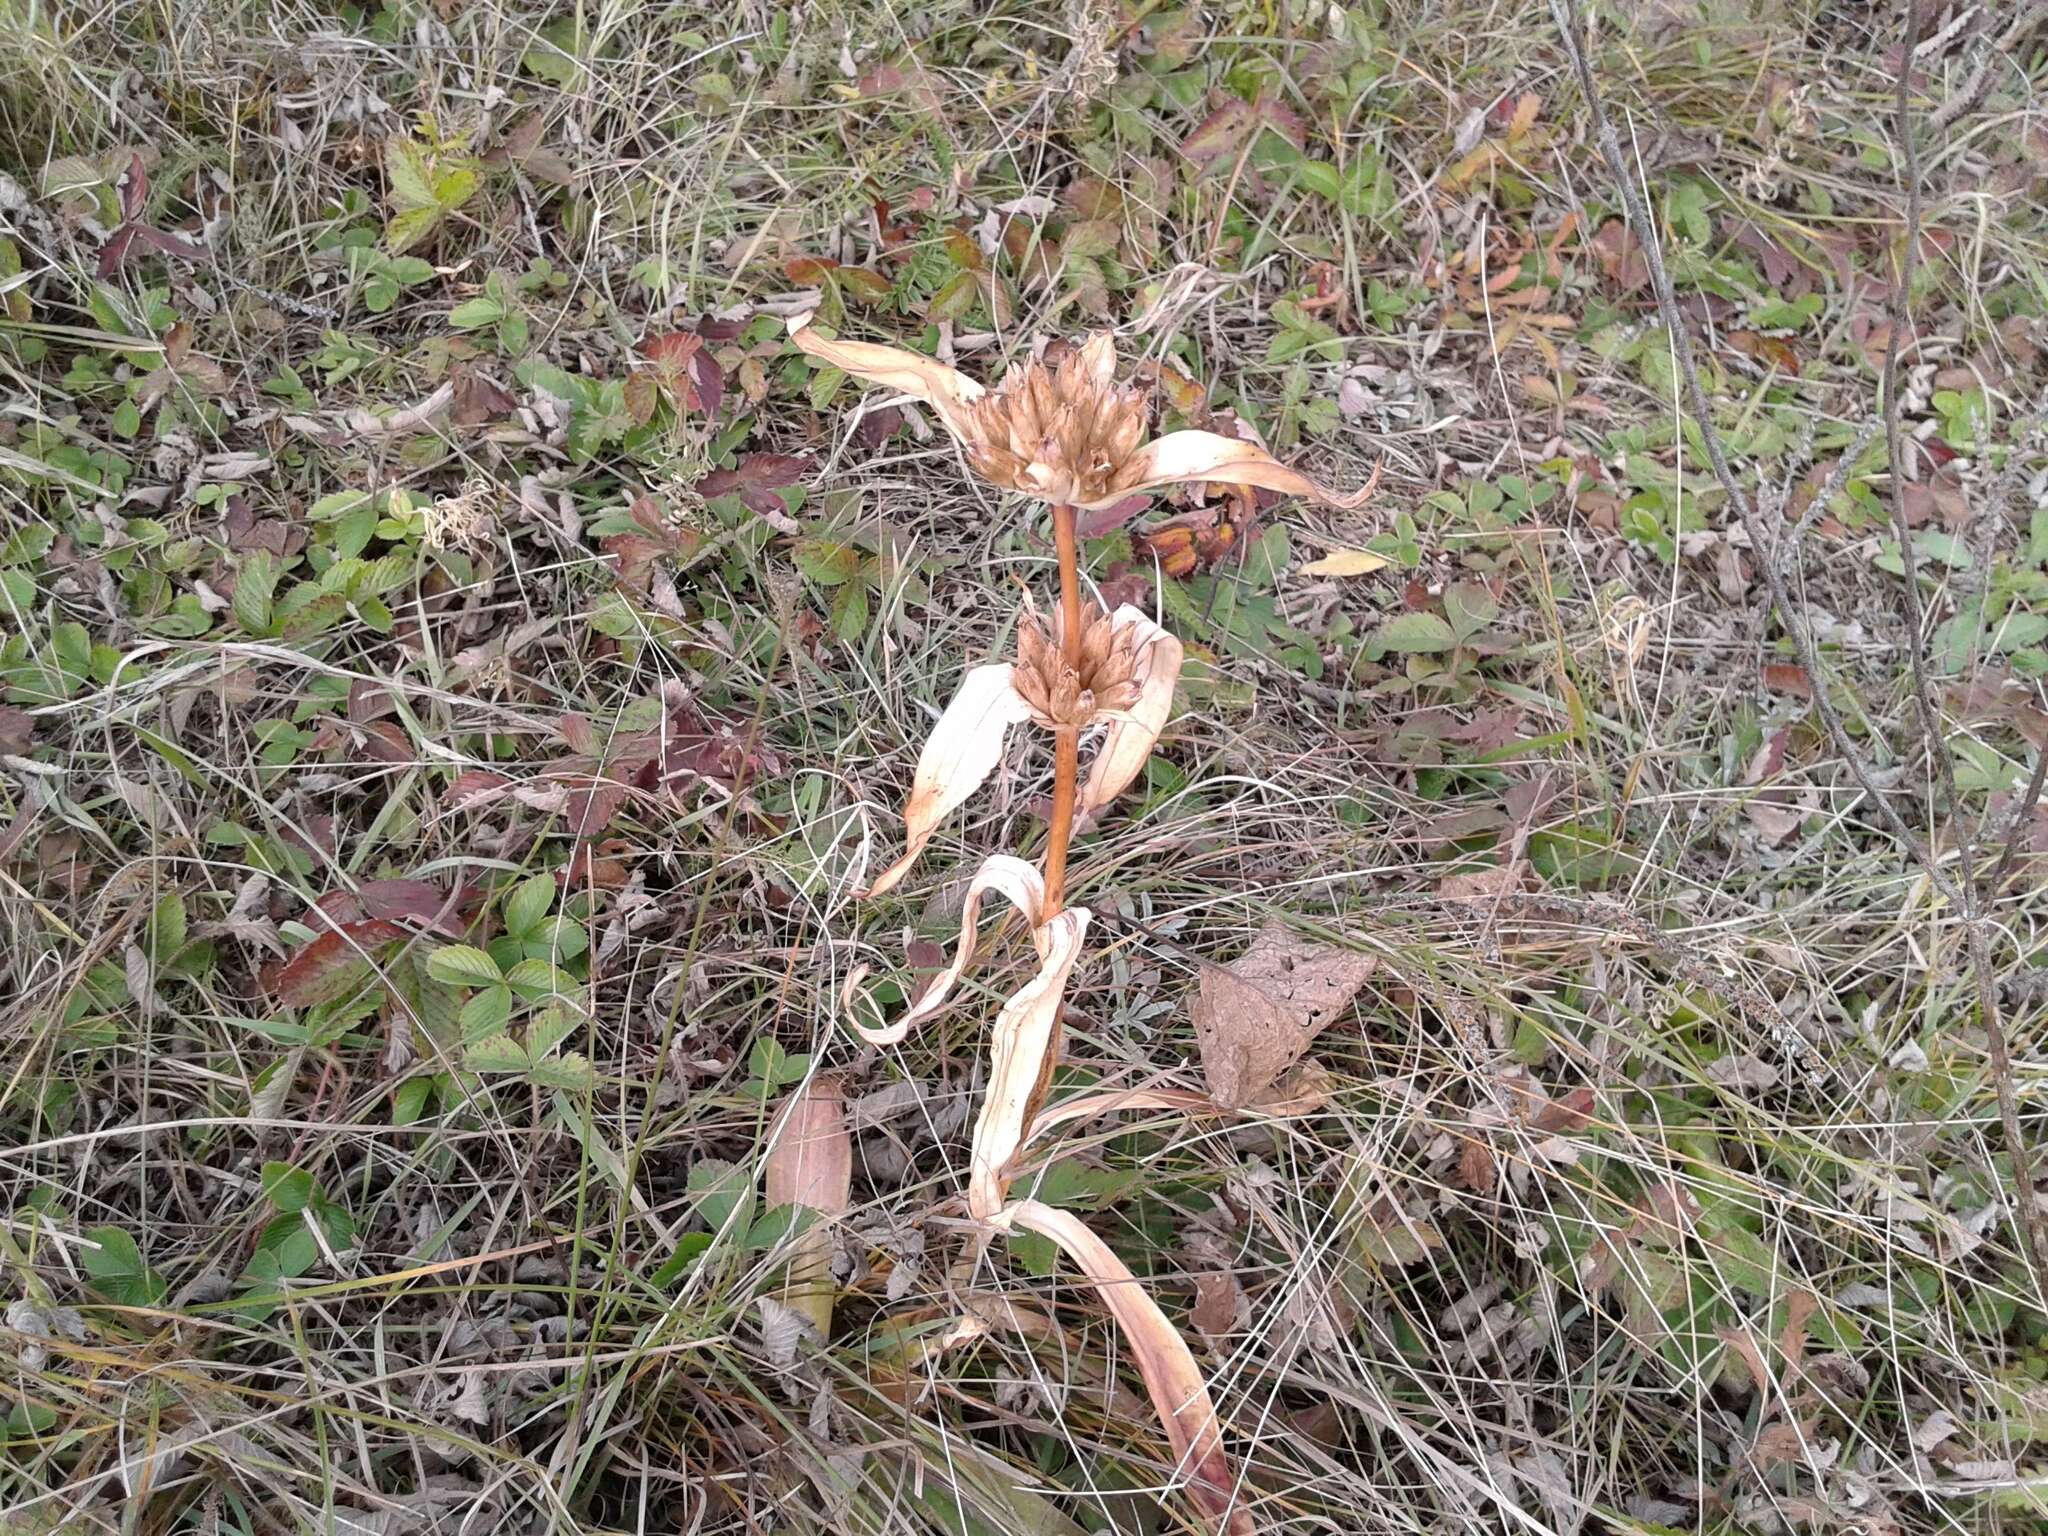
{"x":1064,"y":433}
{"x":1064,"y":696}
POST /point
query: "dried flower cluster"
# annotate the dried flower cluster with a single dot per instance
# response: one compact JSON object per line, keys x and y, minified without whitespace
{"x":1066,"y":434}
{"x":1062,"y":433}
{"x":1067,"y":697}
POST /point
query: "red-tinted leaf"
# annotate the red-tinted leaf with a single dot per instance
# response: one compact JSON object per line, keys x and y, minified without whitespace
{"x":420,"y":900}
{"x":755,"y":480}
{"x":1621,"y":256}
{"x":877,"y":427}
{"x":315,"y":835}
{"x":245,"y":531}
{"x":478,"y":400}
{"x":577,"y":734}
{"x":1093,"y":525}
{"x":633,"y":556}
{"x":334,"y":964}
{"x":1285,"y":121}
{"x":385,"y":741}
{"x":722,"y":755}
{"x":173,"y":245}
{"x":708,"y":384}
{"x":134,"y":188}
{"x":673,"y":349}
{"x":691,"y":374}
{"x":368,"y":700}
{"x":592,"y":805}
{"x":592,"y":868}
{"x":1573,"y":1112}
{"x":115,"y":251}
{"x":809,"y":270}
{"x":1223,"y":132}
{"x":521,"y":139}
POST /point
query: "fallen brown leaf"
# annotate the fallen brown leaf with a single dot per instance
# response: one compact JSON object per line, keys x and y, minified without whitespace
{"x":1788,"y":677}
{"x":810,"y":1164}
{"x":1255,"y":1017}
{"x":1219,"y":1299}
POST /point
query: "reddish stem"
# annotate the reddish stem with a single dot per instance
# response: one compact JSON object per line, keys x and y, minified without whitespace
{"x":1066,"y":770}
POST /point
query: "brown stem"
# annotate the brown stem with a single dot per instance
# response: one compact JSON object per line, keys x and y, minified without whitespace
{"x":1066,"y":772}
{"x":1066,"y":769}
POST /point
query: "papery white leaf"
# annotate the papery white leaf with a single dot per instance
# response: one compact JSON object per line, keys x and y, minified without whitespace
{"x":1182,"y":456}
{"x":1017,"y":1045}
{"x":946,"y":390}
{"x":1009,"y":876}
{"x":958,"y":757}
{"x":1171,"y":1376}
{"x":1133,"y":734}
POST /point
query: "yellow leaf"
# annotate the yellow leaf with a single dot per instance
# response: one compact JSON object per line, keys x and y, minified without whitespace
{"x":409,"y":226}
{"x":1347,"y":562}
{"x":405,"y":166}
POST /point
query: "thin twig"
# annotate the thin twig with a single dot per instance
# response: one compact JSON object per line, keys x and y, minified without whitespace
{"x":1959,"y":893}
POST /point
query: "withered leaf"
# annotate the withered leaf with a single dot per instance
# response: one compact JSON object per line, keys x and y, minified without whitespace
{"x":1621,"y":256}
{"x":1255,"y":1017}
{"x":1219,"y":1303}
{"x":334,"y":964}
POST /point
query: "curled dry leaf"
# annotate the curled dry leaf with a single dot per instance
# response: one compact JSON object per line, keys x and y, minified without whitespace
{"x":810,"y":1164}
{"x":1132,"y":736}
{"x":946,"y":390}
{"x":1017,"y":1046}
{"x":1018,"y":883}
{"x":1179,"y":457}
{"x":1301,"y":1092}
{"x":960,"y":754}
{"x":1171,"y":1377}
{"x":1255,"y":1017}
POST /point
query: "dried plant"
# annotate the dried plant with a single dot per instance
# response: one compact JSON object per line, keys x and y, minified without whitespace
{"x":1066,"y":433}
